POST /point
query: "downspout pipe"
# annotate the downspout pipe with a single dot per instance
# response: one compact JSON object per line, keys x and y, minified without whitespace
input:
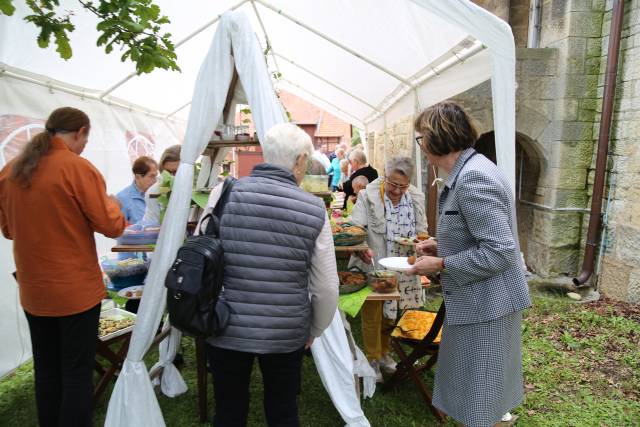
{"x":595,"y":218}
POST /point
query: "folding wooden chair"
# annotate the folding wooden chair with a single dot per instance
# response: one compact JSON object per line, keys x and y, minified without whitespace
{"x":420,"y":347}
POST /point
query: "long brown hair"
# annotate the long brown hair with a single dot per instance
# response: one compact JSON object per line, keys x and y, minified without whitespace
{"x":61,"y":120}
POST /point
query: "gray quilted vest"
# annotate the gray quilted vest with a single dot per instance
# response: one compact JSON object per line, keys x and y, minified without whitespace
{"x":268,"y":229}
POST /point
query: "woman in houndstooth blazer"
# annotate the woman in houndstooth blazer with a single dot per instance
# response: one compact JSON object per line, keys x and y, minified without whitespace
{"x":479,"y":372}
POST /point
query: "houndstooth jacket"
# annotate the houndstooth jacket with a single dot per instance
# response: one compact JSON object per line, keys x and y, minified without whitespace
{"x":477,"y":237}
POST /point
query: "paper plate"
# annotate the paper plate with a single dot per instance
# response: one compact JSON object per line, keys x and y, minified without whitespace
{"x":395,"y":264}
{"x":132,"y":292}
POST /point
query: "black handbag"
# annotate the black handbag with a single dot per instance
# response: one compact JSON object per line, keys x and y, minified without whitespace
{"x":194,"y":281}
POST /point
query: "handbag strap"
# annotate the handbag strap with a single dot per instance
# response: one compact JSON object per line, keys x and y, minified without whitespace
{"x":212,"y":218}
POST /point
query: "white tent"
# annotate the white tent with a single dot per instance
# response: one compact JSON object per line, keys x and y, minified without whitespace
{"x":370,"y":63}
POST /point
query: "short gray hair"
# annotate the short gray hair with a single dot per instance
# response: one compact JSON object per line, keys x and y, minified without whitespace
{"x":401,"y":164}
{"x":358,"y":156}
{"x":284,"y":143}
{"x":360,"y":180}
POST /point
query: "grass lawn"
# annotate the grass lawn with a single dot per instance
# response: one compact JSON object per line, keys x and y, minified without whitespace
{"x":581,"y":365}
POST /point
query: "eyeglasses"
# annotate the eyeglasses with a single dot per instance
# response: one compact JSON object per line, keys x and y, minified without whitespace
{"x":419,"y":141}
{"x":395,"y":186}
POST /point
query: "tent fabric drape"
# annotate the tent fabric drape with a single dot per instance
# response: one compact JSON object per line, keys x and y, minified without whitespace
{"x":133,"y":402}
{"x":171,"y":382}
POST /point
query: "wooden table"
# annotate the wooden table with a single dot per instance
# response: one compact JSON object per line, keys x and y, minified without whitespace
{"x":351,"y":249}
{"x":346,"y":251}
{"x":391,"y":296}
{"x":133,"y":248}
{"x":114,"y":359}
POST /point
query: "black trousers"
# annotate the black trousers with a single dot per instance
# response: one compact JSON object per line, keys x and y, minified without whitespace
{"x":231,"y":376}
{"x":64,"y":350}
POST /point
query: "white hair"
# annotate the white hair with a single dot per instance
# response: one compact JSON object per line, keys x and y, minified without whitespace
{"x":360,"y":180}
{"x":284,"y":143}
{"x":358,"y":156}
{"x":401,"y":164}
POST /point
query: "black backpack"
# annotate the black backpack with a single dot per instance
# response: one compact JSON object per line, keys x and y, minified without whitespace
{"x":194,"y":281}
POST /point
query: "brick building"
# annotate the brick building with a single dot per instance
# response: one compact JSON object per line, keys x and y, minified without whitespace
{"x":325,"y":129}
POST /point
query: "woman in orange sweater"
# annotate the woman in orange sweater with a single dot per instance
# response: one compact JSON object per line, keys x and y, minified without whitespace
{"x":51,"y":203}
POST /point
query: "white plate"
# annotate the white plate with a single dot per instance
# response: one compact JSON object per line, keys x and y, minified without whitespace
{"x":117,"y":313}
{"x":395,"y":263}
{"x":123,"y":292}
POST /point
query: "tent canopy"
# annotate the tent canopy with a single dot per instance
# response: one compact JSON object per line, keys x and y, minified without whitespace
{"x":350,"y":58}
{"x":370,"y":64}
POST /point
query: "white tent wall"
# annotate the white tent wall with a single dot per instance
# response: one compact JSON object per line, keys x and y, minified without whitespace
{"x":107,"y":150}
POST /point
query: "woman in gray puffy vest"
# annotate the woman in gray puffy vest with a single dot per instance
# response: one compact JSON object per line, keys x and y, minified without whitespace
{"x":280,"y":281}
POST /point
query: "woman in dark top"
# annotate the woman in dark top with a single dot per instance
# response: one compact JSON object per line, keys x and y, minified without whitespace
{"x":359,"y":167}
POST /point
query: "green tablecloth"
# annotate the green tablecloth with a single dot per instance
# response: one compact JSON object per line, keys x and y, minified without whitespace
{"x":352,"y":303}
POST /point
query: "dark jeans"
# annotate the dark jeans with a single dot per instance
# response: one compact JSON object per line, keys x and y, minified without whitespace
{"x":231,"y":375}
{"x":64,"y":350}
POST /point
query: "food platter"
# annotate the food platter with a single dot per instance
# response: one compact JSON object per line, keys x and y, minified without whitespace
{"x":132,"y":292}
{"x":351,"y":281}
{"x":348,"y":234}
{"x":115,"y":322}
{"x":415,"y":324}
{"x":406,"y":241}
{"x":396,"y":264}
{"x":411,"y":241}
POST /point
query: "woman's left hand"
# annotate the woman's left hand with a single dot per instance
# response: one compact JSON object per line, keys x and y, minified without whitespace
{"x":425,"y":265}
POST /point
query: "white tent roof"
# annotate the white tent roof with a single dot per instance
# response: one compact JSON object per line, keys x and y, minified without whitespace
{"x":370,"y":63}
{"x":349,"y":57}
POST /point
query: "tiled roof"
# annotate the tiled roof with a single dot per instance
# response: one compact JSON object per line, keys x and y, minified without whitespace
{"x":305,"y":113}
{"x":333,"y":126}
{"x":302,"y":112}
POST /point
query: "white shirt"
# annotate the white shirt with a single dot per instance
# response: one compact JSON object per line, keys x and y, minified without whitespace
{"x":152,"y":209}
{"x":323,"y":281}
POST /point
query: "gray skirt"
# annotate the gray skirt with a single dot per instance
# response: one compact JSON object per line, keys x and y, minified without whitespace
{"x":479,"y":372}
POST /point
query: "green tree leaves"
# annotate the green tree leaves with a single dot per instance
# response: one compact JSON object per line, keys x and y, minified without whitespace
{"x":6,"y":7}
{"x":132,"y":26}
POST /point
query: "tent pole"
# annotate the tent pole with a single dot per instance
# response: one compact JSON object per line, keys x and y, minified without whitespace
{"x":434,"y":71}
{"x":174,"y":112}
{"x":386,"y":143}
{"x":177,"y":45}
{"x":365,"y":141}
{"x":81,"y":94}
{"x":227,"y":104}
{"x":208,"y":24}
{"x":417,"y":148}
{"x":335,"y":42}
{"x":323,"y":100}
{"x":346,"y":92}
{"x":266,"y":36}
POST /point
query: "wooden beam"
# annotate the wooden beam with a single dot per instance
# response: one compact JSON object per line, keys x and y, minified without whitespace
{"x":232,"y":89}
{"x":232,"y":143}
